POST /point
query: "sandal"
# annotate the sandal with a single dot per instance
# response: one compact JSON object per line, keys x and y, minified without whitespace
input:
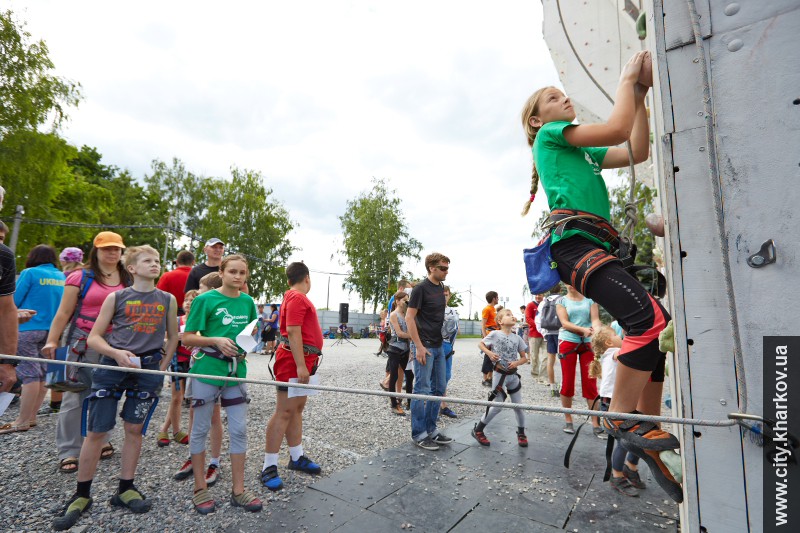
{"x":133,"y":500}
{"x":68,"y":466}
{"x":11,"y":428}
{"x":107,"y":451}
{"x":203,"y":502}
{"x":75,"y":507}
{"x":181,"y":437}
{"x":247,"y":500}
{"x":162,"y":439}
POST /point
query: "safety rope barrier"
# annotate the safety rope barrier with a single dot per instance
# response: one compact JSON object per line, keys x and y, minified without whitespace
{"x":428,"y":397}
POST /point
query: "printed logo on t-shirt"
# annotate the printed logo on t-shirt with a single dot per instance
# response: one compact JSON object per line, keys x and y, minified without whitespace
{"x":228,"y":318}
{"x":147,"y":316}
{"x":595,"y":167}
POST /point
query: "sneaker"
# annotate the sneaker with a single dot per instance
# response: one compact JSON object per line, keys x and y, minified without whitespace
{"x":568,"y":428}
{"x":624,"y":486}
{"x":600,"y":434}
{"x":441,"y":438}
{"x":486,"y":383}
{"x":304,"y":464}
{"x":427,"y":444}
{"x":271,"y":479}
{"x":479,"y":436}
{"x":633,"y":477}
{"x":522,"y":439}
{"x":449,"y":413}
{"x":212,"y":474}
{"x":554,"y":393}
{"x":184,"y":471}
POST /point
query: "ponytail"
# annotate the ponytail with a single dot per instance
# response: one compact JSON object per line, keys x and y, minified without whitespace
{"x":595,"y":368}
{"x":534,"y":188}
{"x":530,"y":109}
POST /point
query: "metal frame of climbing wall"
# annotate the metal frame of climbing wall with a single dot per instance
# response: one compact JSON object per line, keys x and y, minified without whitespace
{"x":754,"y":73}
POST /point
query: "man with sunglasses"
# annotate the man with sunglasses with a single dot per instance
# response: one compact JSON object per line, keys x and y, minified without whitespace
{"x":424,"y":317}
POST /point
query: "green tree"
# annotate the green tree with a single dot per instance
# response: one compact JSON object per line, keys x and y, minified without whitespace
{"x":241,"y":211}
{"x":131,"y":205}
{"x":36,"y":174}
{"x":455,"y":299}
{"x":30,"y":95}
{"x":376,"y":241}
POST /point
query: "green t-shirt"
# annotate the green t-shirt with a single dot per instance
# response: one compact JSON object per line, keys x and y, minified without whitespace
{"x":215,"y":315}
{"x":570,"y":176}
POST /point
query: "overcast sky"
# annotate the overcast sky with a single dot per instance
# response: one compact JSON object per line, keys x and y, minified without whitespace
{"x":320,"y":96}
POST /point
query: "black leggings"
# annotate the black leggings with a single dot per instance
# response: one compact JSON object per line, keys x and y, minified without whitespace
{"x":398,"y":360}
{"x":639,"y":314}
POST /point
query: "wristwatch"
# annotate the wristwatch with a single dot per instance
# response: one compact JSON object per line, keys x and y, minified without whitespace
{"x":6,"y":361}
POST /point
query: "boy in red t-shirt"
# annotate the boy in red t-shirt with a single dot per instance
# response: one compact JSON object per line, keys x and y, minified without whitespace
{"x":298,"y":357}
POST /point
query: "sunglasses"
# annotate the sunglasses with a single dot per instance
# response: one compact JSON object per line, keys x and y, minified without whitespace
{"x":443,"y":268}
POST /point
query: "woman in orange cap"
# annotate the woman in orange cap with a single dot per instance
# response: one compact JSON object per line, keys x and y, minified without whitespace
{"x":84,"y":293}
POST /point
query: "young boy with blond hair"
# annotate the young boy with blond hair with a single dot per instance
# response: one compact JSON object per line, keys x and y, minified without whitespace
{"x":140,"y":317}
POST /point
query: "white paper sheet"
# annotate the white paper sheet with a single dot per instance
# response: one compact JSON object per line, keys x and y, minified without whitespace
{"x":5,"y":401}
{"x":245,"y":338}
{"x":295,"y":391}
{"x":136,"y":361}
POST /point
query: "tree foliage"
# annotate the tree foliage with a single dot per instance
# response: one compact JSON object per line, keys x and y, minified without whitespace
{"x":30,"y":94}
{"x":376,"y":241}
{"x":241,"y":211}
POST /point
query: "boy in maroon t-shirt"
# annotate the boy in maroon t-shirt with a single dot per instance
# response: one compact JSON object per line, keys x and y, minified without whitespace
{"x":297,"y":358}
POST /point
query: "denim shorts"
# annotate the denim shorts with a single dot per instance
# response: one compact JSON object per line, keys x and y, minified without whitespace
{"x":552,"y":343}
{"x":103,"y":411}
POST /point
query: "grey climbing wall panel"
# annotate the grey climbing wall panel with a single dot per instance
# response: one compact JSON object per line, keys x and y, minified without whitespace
{"x":750,"y":49}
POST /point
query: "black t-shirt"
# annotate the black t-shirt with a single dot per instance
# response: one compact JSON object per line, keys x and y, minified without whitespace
{"x":197,"y":273}
{"x":8,"y":271}
{"x":428,"y":300}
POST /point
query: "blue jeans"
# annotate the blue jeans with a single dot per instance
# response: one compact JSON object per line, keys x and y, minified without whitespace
{"x":428,"y":379}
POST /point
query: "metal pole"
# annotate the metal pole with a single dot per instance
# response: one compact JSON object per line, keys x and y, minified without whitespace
{"x":12,"y":243}
{"x":328,"y":300}
{"x":166,"y":242}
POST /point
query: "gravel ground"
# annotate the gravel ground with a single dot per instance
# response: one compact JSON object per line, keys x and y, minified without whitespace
{"x":339,"y":429}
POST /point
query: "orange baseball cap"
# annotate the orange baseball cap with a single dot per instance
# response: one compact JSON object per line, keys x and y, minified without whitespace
{"x":108,"y":238}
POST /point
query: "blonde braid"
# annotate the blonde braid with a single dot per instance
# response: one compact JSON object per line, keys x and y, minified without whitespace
{"x":530,"y":109}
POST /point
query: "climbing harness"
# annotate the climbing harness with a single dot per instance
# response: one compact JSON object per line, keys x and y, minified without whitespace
{"x":498,"y":390}
{"x":307,"y":350}
{"x":150,"y":358}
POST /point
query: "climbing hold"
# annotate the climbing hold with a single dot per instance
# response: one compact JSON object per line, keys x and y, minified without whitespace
{"x":731,"y":9}
{"x":641,"y":26}
{"x":735,"y":45}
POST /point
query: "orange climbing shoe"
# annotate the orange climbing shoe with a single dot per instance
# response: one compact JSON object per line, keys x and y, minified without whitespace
{"x":644,"y":435}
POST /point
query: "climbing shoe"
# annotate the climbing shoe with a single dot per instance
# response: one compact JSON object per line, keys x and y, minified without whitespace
{"x":633,"y":477}
{"x":479,"y":436}
{"x":623,"y":485}
{"x":644,"y":435}
{"x":522,"y":439}
{"x":304,"y":464}
{"x":271,"y":479}
{"x":659,"y":471}
{"x":133,"y":500}
{"x":69,"y":516}
{"x":247,"y":500}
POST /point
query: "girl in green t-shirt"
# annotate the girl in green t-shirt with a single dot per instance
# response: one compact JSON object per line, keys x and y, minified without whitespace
{"x":568,"y":159}
{"x":217,"y":317}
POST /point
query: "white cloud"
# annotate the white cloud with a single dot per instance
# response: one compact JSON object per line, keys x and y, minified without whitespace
{"x":319,"y":97}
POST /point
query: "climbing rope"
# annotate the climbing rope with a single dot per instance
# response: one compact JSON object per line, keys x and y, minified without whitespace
{"x":427,"y":397}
